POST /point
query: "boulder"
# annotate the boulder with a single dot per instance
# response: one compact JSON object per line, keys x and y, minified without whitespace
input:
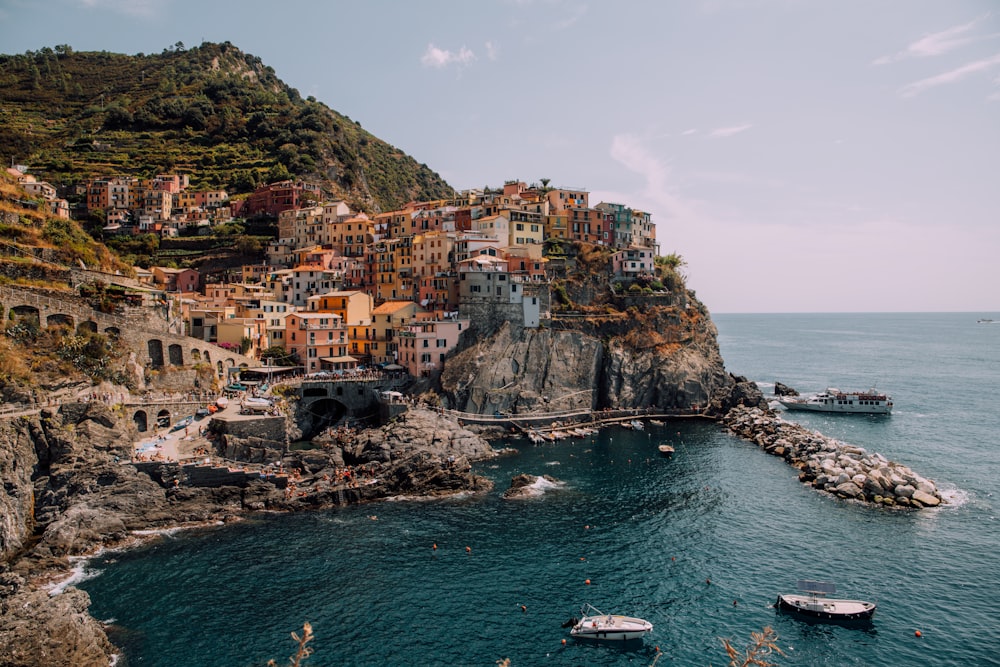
{"x":903,"y":491}
{"x":925,"y":499}
{"x":848,"y":490}
{"x":784,"y":390}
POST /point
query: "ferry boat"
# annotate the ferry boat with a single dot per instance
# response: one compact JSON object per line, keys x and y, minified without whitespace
{"x":869,"y":402}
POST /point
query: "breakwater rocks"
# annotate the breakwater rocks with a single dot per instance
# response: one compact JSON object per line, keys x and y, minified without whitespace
{"x":827,"y":464}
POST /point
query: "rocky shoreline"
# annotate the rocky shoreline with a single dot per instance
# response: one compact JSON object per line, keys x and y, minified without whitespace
{"x":832,"y":466}
{"x":73,"y":491}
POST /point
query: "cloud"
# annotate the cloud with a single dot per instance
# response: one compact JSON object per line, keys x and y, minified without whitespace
{"x":729,"y":131}
{"x":439,"y":58}
{"x":937,"y":43}
{"x":659,"y":192}
{"x":137,"y":8}
{"x":957,"y":74}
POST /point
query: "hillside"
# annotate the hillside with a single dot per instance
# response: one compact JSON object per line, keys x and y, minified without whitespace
{"x":212,"y":111}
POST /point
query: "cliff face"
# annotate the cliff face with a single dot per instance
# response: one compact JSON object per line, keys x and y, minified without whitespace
{"x":17,"y":464}
{"x":665,"y":357}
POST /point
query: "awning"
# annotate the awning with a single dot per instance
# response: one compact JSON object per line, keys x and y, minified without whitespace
{"x":393,"y":367}
{"x":339,"y":360}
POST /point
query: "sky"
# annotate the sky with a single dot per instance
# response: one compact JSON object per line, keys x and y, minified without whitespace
{"x":799,"y":155}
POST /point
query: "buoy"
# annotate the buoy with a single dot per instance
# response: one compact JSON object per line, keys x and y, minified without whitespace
{"x":708,"y":581}
{"x":917,"y":633}
{"x":673,"y":558}
{"x":468,"y":550}
{"x":564,"y":642}
{"x":586,"y":527}
{"x":587,"y":582}
{"x":523,"y":608}
{"x":435,"y":546}
{"x":734,"y":603}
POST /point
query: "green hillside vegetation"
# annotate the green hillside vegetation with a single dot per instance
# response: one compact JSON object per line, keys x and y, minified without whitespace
{"x":212,"y":112}
{"x":34,"y":243}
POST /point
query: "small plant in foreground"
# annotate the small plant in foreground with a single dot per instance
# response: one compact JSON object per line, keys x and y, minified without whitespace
{"x":303,"y":652}
{"x":762,"y":645}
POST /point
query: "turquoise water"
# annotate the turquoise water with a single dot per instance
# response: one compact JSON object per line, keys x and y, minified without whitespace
{"x":699,"y":544}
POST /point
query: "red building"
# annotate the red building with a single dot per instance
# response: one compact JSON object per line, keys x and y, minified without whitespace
{"x":274,"y":198}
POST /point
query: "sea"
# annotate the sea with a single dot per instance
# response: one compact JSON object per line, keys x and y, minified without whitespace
{"x":700,"y":544}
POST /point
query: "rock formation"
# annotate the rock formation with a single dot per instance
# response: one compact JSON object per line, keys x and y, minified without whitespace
{"x":829,"y":465}
{"x":662,"y":357}
{"x":529,"y":486}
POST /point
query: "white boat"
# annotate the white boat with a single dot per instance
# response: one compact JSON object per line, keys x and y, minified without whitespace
{"x":869,"y":402}
{"x":666,"y":450}
{"x":814,"y":603}
{"x":595,"y":624}
{"x":637,"y":425}
{"x":255,"y":405}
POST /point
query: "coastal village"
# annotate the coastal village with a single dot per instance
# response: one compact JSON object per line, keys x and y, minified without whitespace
{"x":341,"y":290}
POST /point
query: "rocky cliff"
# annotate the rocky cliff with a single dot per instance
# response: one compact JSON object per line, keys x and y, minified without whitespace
{"x":647,"y":355}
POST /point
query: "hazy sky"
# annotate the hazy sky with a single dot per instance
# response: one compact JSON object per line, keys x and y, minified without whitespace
{"x":801,"y":155}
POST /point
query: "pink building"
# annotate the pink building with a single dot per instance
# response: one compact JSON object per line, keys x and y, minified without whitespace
{"x":423,"y":346}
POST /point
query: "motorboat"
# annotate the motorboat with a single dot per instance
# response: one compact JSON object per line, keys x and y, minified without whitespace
{"x":666,"y":449}
{"x":637,"y":425}
{"x":869,"y":402}
{"x":595,"y":624}
{"x":814,"y":603}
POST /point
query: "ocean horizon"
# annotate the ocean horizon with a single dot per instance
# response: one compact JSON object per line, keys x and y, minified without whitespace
{"x":700,"y":544}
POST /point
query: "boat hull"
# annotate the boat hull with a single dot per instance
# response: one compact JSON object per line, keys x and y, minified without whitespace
{"x":827,"y":610}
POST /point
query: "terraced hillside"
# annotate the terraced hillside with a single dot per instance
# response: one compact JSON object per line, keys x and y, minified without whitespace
{"x":212,"y":111}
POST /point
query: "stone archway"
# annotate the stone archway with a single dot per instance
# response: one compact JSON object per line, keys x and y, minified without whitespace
{"x":26,"y":313}
{"x":87,"y":326}
{"x":60,"y":320}
{"x":155,"y":348}
{"x":315,"y":416}
{"x":176,"y":354}
{"x":163,"y":418}
{"x":141,"y":421}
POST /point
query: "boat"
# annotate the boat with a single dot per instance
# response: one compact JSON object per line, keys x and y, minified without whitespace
{"x":637,"y":425}
{"x":666,"y":449}
{"x":595,"y":624}
{"x":985,"y":320}
{"x":184,"y":423}
{"x":255,"y":406}
{"x":869,"y":402}
{"x":814,"y":603}
{"x":202,"y":412}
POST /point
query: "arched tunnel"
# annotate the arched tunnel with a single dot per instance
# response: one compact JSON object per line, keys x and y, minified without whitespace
{"x":317,"y":415}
